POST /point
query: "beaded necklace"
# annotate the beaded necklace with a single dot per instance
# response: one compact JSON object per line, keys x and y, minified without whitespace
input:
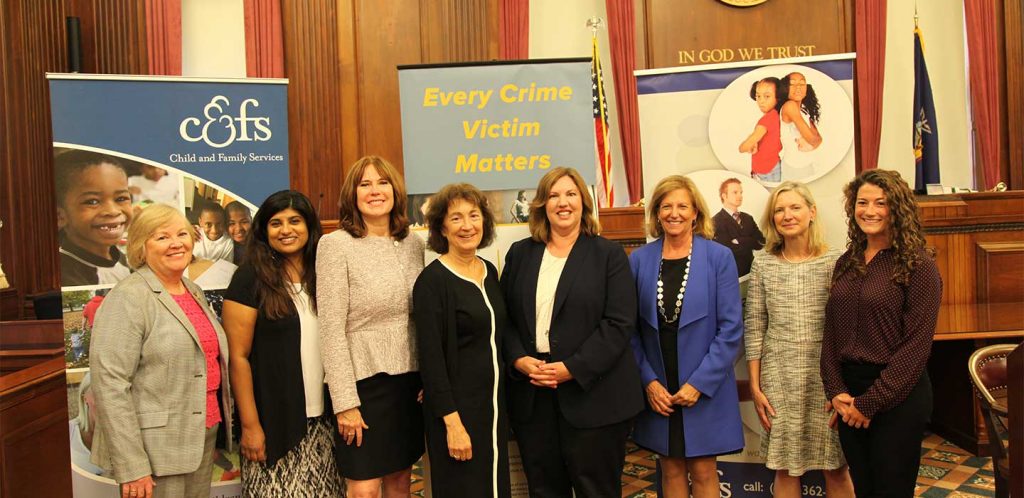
{"x":679,"y":296}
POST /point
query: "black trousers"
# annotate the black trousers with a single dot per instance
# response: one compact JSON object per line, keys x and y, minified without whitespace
{"x":884,"y":458}
{"x":559,"y":458}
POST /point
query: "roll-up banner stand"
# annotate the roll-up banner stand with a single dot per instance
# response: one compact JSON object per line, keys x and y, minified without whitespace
{"x":499,"y":126}
{"x":212,"y":148}
{"x":695,"y":121}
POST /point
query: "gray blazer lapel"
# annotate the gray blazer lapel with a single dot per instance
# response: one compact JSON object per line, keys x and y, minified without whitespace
{"x":165,"y":299}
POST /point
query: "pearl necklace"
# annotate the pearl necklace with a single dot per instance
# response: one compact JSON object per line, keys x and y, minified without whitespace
{"x":791,"y":261}
{"x":679,"y":296}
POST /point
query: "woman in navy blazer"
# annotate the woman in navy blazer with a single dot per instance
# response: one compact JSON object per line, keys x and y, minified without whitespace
{"x":574,"y":388}
{"x":688,"y":334}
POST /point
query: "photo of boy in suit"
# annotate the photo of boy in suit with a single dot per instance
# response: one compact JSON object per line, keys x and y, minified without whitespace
{"x":734,"y":229}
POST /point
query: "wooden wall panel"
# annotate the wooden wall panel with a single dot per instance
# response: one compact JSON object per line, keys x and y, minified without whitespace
{"x":341,"y":59}
{"x":113,"y":36}
{"x":1000,"y":271}
{"x":313,"y":66}
{"x":674,"y":26}
{"x":34,"y":443}
{"x":979,"y":243}
{"x":32,"y":35}
{"x":32,"y":43}
{"x":458,"y":30}
{"x":391,"y":31}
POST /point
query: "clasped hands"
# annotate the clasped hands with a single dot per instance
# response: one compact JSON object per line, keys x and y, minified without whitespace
{"x":543,"y":374}
{"x":661,"y":401}
{"x":842,"y":406}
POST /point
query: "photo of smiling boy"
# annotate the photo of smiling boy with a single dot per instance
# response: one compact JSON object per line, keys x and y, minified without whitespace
{"x":765,"y":142}
{"x":239,"y":223}
{"x":213,"y":241}
{"x":94,"y":208}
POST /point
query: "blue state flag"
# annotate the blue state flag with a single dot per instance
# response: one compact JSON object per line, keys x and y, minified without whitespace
{"x":926,"y":131}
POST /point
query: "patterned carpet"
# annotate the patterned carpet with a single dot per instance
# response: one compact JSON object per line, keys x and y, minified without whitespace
{"x":946,"y":471}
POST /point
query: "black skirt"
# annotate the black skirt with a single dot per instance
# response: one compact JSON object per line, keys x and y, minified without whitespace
{"x":394,"y":440}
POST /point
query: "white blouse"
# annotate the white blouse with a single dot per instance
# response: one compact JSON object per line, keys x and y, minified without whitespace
{"x":309,"y":352}
{"x":547,"y":282}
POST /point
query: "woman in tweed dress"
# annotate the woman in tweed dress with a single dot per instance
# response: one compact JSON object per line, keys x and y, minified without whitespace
{"x":365,"y":274}
{"x":785,"y":314}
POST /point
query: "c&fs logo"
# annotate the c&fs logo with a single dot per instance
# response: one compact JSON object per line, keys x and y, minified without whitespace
{"x":221,"y":129}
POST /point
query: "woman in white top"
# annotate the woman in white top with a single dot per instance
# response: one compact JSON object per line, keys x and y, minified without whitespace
{"x":273,"y":338}
{"x":799,"y":112}
{"x":365,"y":274}
{"x":575,"y":387}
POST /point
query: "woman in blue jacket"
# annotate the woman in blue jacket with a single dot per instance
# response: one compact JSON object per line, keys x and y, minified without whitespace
{"x":688,"y":334}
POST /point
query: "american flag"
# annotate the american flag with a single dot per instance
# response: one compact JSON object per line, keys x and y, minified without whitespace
{"x":606,"y":192}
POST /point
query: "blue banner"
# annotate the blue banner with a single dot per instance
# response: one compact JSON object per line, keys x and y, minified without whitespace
{"x":212,"y":149}
{"x":497,"y":126}
{"x":231,"y":134}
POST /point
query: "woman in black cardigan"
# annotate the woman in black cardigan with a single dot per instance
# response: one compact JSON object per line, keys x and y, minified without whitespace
{"x":460,"y":318}
{"x":276,"y":371}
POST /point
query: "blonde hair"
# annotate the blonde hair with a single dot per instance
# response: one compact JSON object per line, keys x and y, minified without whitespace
{"x":774,"y":242}
{"x":540,"y":227}
{"x":701,"y":225}
{"x":143,"y":227}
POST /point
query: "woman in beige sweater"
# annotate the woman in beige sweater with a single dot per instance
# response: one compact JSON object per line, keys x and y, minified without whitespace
{"x":366,"y":271}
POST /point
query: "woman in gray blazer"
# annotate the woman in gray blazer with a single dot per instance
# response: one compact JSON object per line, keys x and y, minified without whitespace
{"x":159,"y":368}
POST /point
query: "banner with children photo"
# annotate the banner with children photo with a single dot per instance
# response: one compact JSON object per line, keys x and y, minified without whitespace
{"x":214,"y":150}
{"x":738,"y":130}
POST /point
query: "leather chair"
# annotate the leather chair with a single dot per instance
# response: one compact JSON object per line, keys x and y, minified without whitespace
{"x":988,"y":372}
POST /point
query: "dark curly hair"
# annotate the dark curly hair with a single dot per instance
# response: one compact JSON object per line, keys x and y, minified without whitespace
{"x":904,"y":225}
{"x":808,"y":105}
{"x":438,"y":211}
{"x":272,"y":287}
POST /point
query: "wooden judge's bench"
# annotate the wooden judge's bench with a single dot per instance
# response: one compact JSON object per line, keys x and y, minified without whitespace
{"x":34,"y":440}
{"x":979,"y":244}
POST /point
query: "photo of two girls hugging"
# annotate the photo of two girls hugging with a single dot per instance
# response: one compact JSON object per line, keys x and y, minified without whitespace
{"x":786,"y":135}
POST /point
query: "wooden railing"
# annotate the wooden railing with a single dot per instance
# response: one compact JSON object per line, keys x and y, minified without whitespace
{"x":34,"y":442}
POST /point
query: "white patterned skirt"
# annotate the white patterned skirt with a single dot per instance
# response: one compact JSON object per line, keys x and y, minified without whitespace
{"x":308,"y":470}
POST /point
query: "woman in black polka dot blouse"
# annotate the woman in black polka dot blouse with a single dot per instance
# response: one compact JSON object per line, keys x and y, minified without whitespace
{"x":879,"y":324}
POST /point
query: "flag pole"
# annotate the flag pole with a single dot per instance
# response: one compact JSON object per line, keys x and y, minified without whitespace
{"x":595,"y":23}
